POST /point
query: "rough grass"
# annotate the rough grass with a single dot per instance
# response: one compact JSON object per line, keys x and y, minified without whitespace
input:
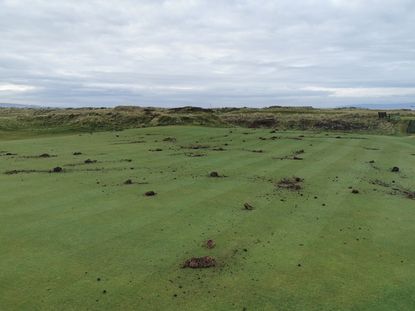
{"x":302,"y":118}
{"x":84,"y":240}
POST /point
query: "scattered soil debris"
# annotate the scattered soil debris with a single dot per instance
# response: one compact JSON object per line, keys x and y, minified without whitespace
{"x":248,"y":207}
{"x":293,"y":183}
{"x":210,"y":244}
{"x":199,"y":262}
{"x":89,"y":161}
{"x":150,"y":193}
{"x":395,"y":169}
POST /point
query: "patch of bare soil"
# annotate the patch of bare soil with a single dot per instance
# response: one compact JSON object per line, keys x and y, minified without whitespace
{"x":199,"y":262}
{"x":292,"y":183}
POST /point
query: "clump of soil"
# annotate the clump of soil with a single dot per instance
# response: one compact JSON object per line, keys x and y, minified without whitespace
{"x":128,"y":182}
{"x":150,"y":193}
{"x":395,"y":169}
{"x":355,"y":191}
{"x":248,"y":207}
{"x":89,"y":161}
{"x":57,"y":169}
{"x":293,"y":183}
{"x":77,"y":153}
{"x":214,"y":174}
{"x":199,"y":262}
{"x":210,"y":244}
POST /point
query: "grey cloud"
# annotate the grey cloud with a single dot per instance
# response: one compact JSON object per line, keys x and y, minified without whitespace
{"x":210,"y":53}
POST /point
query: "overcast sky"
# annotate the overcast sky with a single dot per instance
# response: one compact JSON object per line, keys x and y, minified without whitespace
{"x":207,"y":53}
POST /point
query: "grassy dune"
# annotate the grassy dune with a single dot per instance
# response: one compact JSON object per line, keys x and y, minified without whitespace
{"x":83,"y":240}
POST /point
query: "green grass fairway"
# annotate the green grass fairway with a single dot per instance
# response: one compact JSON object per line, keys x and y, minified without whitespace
{"x":83,"y":240}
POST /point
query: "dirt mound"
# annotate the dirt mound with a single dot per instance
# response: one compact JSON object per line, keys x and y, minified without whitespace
{"x":57,"y":169}
{"x":395,"y":169}
{"x":293,"y":183}
{"x":210,"y":244}
{"x":248,"y":207}
{"x":214,"y":174}
{"x":200,"y":262}
{"x":150,"y":193}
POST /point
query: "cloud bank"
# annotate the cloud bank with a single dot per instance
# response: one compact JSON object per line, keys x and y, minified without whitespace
{"x":207,"y":53}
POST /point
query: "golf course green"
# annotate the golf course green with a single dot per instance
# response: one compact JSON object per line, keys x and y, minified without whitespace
{"x":77,"y":231}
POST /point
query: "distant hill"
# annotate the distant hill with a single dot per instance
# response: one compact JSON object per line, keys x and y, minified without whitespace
{"x":7,"y":105}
